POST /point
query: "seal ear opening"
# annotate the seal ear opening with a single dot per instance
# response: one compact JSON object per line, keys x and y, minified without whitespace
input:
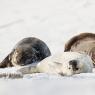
{"x":6,"y":62}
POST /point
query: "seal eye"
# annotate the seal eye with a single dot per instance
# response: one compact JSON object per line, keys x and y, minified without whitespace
{"x":77,"y":68}
{"x":69,"y":68}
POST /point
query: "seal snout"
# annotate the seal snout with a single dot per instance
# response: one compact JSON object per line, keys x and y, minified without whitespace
{"x":73,"y":64}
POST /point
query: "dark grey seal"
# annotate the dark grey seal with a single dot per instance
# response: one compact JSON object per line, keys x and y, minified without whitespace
{"x":28,"y":51}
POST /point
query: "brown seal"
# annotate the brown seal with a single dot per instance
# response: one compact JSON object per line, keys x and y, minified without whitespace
{"x":84,"y":42}
{"x":28,"y":51}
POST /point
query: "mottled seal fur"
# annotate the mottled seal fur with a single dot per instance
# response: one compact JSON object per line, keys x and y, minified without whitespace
{"x":27,"y":51}
{"x":84,"y":42}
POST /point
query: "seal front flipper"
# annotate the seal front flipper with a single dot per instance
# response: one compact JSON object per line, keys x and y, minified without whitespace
{"x":28,"y":69}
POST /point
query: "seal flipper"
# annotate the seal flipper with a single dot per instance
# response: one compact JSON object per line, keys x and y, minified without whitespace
{"x":6,"y":62}
{"x":28,"y":70}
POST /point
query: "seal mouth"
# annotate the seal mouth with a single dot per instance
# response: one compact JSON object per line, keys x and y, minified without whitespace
{"x":61,"y":73}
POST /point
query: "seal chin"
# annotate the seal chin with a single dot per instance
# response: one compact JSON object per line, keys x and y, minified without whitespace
{"x":68,"y":74}
{"x":61,"y":73}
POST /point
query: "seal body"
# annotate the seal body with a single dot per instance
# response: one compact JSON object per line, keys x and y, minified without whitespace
{"x":27,"y":51}
{"x":65,"y":64}
{"x":84,"y":42}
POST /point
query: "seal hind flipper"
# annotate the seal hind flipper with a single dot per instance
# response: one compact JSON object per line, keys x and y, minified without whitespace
{"x":11,"y":75}
{"x":6,"y":62}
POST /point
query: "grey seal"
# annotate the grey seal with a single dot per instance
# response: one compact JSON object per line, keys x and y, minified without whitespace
{"x":27,"y":51}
